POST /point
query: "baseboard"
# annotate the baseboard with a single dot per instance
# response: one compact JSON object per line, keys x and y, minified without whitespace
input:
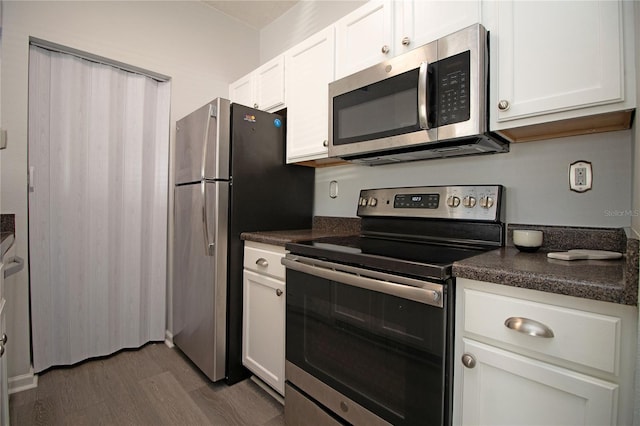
{"x":168,"y":338}
{"x":23,"y":382}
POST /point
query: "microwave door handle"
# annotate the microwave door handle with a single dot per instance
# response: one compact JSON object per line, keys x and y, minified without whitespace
{"x":423,"y":100}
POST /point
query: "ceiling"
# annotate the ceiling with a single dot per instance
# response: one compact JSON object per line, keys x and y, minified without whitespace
{"x":256,"y":14}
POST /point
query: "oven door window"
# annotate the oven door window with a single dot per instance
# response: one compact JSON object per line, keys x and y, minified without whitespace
{"x":383,"y":352}
{"x":379,"y":110}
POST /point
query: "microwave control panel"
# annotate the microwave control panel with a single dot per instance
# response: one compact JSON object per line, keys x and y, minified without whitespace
{"x":452,"y":89}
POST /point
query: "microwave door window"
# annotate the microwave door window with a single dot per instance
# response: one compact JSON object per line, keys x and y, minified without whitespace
{"x":379,"y":110}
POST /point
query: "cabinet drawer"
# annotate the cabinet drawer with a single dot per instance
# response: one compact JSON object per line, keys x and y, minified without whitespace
{"x":264,"y":259}
{"x":581,"y":337}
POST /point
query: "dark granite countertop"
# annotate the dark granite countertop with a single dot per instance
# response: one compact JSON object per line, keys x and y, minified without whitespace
{"x":322,"y":226}
{"x":7,"y":232}
{"x":604,"y":280}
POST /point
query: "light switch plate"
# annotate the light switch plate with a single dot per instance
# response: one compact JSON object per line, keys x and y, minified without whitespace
{"x":580,"y":176}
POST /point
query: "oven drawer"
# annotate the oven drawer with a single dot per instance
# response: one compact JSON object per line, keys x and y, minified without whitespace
{"x":580,"y":337}
{"x":300,"y":411}
{"x":264,"y":259}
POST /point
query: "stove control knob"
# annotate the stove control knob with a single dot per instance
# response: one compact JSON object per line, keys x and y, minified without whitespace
{"x":373,"y":202}
{"x":363,"y":201}
{"x":486,"y":202}
{"x":453,"y":201}
{"x":469,"y":201}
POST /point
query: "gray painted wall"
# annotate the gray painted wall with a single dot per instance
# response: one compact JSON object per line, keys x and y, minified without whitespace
{"x":535,"y":175}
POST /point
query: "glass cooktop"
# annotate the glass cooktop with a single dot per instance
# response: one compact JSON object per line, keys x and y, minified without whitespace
{"x":412,"y":258}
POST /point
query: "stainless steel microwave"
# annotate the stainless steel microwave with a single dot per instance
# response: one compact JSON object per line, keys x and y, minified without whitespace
{"x":430,"y":102}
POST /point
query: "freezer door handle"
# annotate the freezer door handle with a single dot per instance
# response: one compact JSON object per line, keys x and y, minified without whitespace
{"x":209,"y":246}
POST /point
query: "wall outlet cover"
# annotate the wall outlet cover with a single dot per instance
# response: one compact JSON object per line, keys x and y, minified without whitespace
{"x":580,"y":176}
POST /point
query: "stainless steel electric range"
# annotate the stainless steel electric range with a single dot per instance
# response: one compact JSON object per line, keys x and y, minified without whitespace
{"x":369,"y":318}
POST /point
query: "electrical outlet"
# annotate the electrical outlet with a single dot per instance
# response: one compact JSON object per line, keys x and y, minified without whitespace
{"x":580,"y":176}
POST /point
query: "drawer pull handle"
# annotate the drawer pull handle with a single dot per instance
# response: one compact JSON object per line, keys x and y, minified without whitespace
{"x":262,"y":262}
{"x":528,"y":326}
{"x":278,"y":292}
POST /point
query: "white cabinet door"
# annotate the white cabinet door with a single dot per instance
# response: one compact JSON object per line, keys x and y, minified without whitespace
{"x":269,"y":80}
{"x":4,"y":392}
{"x":263,"y":88}
{"x":554,"y":56}
{"x":423,"y":21}
{"x":241,"y":91}
{"x":263,"y":328}
{"x":364,"y":37}
{"x":309,"y":68}
{"x":504,"y":388}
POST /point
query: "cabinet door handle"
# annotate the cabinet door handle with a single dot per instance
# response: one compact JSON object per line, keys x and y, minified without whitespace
{"x":406,"y":41}
{"x":278,"y":292}
{"x":1,"y":350}
{"x":468,"y":360}
{"x":3,"y":339}
{"x":503,"y":105}
{"x":325,"y":143}
{"x":385,"y":49}
{"x":262,"y":262}
{"x":255,"y":106}
{"x":528,"y":326}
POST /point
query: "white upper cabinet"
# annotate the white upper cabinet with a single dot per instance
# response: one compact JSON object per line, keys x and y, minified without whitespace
{"x":364,"y":37}
{"x":241,"y":91}
{"x":556,"y":60}
{"x":422,"y":21}
{"x":310,"y":68}
{"x":380,"y":30}
{"x":263,"y":88}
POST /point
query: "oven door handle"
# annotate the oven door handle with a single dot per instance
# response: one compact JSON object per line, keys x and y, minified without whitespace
{"x":405,"y":288}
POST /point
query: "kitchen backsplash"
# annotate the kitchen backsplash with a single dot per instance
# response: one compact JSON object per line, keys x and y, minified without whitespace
{"x":561,"y":238}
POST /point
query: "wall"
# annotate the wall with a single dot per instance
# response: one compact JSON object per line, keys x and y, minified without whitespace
{"x":186,"y":40}
{"x":301,"y":21}
{"x":535,"y":175}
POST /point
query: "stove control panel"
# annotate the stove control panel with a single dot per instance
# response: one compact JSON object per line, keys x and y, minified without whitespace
{"x":460,"y":202}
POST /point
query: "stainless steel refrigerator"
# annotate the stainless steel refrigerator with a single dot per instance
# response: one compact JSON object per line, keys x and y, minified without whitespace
{"x":231,"y":177}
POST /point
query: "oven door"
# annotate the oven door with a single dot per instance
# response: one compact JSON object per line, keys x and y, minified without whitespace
{"x":369,"y":346}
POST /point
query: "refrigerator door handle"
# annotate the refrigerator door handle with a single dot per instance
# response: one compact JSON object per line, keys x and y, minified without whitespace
{"x":205,"y":143}
{"x":209,"y":247}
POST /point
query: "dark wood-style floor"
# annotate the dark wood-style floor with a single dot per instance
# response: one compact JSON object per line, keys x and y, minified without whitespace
{"x":154,"y":385}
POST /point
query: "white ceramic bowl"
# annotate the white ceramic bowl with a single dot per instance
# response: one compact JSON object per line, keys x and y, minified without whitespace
{"x":527,"y":239}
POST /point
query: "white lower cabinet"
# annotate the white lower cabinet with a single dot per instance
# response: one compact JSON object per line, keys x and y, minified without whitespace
{"x":4,"y":391}
{"x":525,"y":357}
{"x":504,"y":388}
{"x":263,"y":327}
